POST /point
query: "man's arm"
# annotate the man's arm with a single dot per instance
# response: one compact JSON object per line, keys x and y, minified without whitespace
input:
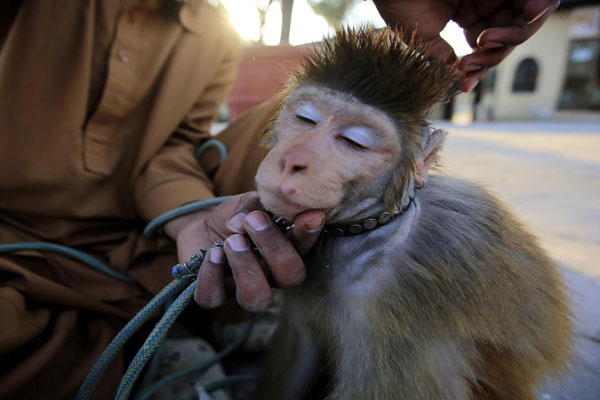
{"x":173,"y":176}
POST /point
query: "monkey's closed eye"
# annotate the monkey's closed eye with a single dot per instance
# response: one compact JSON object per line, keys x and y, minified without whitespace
{"x":306,"y":120}
{"x":351,"y":143}
{"x":358,"y":137}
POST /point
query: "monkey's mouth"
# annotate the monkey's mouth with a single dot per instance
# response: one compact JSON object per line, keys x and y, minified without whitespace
{"x":282,"y":205}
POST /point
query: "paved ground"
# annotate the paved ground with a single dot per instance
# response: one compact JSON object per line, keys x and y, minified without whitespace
{"x":549,"y":173}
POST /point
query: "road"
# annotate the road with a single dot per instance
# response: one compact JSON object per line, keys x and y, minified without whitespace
{"x":549,"y":174}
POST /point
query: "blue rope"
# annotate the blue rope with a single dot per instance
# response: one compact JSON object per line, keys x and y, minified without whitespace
{"x":183,"y":276}
{"x":189,"y":208}
{"x":149,"y":391}
{"x":183,"y":272}
{"x":156,"y":337}
{"x":87,"y":388}
{"x":69,"y":252}
{"x":211,"y":143}
{"x":159,"y":221}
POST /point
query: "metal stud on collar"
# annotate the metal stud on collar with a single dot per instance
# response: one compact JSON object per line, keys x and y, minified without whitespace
{"x":367,"y":224}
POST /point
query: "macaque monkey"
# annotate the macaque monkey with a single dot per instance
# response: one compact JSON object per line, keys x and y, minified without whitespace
{"x":436,"y":293}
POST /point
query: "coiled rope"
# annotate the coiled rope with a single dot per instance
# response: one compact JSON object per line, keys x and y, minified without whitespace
{"x":183,"y":273}
{"x":87,"y":388}
{"x":148,"y":391}
{"x":154,"y":340}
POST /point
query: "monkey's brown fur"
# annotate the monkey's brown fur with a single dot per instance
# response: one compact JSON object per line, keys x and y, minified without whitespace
{"x":453,"y":300}
{"x":390,"y":71}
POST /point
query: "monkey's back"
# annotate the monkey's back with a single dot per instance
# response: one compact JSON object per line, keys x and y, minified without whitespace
{"x":452,"y":300}
{"x":471,"y":268}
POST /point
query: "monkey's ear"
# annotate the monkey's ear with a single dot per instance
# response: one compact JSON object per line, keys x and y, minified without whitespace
{"x":429,"y":155}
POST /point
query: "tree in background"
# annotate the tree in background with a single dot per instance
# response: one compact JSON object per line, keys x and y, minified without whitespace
{"x":333,"y":11}
{"x":286,"y":20}
{"x":262,"y":6}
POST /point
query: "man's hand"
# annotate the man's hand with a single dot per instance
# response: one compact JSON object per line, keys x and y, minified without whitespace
{"x":492,"y":27}
{"x":234,"y":222}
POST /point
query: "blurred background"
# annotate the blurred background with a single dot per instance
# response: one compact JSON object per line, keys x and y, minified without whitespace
{"x":529,"y":132}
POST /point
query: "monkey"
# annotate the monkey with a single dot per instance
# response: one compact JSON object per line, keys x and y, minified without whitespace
{"x":420,"y":286}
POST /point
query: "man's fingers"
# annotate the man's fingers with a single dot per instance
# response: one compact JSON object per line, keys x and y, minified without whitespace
{"x":520,"y":28}
{"x":534,"y":10}
{"x":484,"y":58}
{"x":286,"y":266}
{"x":473,"y":33}
{"x":440,"y":50}
{"x":509,"y":35}
{"x":253,"y":292}
{"x":210,"y":285}
{"x":307,"y":227}
{"x":228,"y":217}
{"x":471,"y":80}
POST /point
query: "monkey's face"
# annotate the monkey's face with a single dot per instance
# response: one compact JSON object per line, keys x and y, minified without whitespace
{"x":328,"y":151}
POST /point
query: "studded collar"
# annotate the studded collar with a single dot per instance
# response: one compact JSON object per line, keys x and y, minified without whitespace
{"x":366,"y":224}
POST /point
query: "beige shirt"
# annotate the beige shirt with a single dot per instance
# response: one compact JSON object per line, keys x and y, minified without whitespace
{"x":102,"y":103}
{"x":72,"y":176}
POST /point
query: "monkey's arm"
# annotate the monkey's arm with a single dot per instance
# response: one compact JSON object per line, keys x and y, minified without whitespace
{"x":290,"y":366}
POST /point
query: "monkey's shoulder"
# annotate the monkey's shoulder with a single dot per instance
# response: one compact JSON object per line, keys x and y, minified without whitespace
{"x":461,"y":223}
{"x":462,"y":207}
{"x":473,"y":259}
{"x":445,"y":193}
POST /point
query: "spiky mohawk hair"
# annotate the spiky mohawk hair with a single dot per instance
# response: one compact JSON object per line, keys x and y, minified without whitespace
{"x":387,"y":70}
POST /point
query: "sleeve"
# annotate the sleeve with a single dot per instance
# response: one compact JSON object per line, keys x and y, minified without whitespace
{"x":173,"y":177}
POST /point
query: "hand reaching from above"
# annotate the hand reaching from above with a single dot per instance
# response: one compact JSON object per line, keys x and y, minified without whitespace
{"x":492,"y":27}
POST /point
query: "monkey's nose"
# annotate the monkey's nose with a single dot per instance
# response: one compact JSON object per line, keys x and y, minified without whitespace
{"x":295,"y":161}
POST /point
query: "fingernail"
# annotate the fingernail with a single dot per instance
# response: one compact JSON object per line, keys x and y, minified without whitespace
{"x":236,"y":222}
{"x":472,"y":68}
{"x":478,"y":40}
{"x":217,"y":255}
{"x":237,"y":243}
{"x":483,"y":44}
{"x":314,"y":224}
{"x":540,"y":15}
{"x":469,"y":85}
{"x":257,"y":221}
{"x":492,"y":45}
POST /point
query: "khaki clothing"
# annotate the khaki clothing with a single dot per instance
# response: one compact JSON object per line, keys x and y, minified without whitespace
{"x":102,"y":104}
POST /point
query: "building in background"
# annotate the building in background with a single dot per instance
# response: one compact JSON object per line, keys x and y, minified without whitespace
{"x":555,"y":74}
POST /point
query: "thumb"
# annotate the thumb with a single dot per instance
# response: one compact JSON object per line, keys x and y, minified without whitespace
{"x":228,"y":217}
{"x":440,"y":50}
{"x":307,"y":227}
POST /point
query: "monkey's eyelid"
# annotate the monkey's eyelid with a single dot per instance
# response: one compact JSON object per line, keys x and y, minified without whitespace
{"x":360,"y":135}
{"x":308,"y":112}
{"x":355,"y":145}
{"x":307,"y":120}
